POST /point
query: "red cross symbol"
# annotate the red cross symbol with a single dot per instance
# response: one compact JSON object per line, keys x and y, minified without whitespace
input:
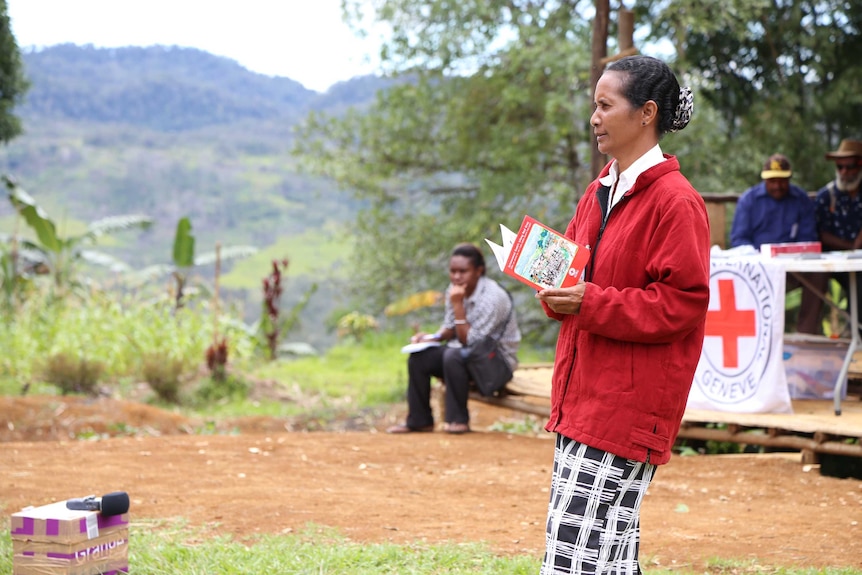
{"x":730,"y":323}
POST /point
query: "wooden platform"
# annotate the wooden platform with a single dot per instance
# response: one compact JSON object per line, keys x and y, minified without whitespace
{"x":812,"y":428}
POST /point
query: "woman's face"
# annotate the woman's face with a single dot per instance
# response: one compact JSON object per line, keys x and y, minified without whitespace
{"x":462,"y":272}
{"x":615,"y":122}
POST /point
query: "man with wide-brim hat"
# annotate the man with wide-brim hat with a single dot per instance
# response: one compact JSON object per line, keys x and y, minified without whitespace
{"x":847,"y":149}
{"x":839,"y":205}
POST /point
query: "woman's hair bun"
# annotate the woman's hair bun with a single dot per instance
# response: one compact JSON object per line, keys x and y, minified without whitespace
{"x":684,"y":109}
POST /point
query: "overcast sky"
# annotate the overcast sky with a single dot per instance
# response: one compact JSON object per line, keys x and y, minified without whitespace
{"x":304,"y":40}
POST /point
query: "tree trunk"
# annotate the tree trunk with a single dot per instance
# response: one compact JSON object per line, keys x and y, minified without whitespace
{"x":599,"y":52}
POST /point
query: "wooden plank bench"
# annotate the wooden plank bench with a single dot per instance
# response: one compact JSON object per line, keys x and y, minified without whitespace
{"x":529,"y":391}
{"x":530,"y":388}
{"x":813,"y":429}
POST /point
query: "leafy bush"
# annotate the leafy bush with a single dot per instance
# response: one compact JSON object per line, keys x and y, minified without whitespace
{"x":356,"y":325}
{"x":227,"y":387}
{"x":73,"y":374}
{"x":163,"y":375}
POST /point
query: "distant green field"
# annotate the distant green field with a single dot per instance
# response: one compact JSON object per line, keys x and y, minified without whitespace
{"x":314,"y":253}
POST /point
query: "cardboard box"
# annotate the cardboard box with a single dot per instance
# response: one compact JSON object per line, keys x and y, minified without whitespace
{"x":812,"y":365}
{"x":54,"y":540}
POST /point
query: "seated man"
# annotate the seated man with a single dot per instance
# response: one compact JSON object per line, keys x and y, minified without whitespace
{"x":476,"y":306}
{"x":776,"y":211}
{"x":838,"y":203}
{"x":838,"y":206}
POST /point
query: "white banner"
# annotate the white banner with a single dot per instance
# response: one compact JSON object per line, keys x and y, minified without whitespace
{"x":741,"y":367}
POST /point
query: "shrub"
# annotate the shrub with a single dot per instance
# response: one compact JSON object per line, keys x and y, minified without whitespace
{"x":356,"y":325}
{"x":163,"y":375}
{"x":228,"y":388}
{"x":118,"y":330}
{"x":73,"y":374}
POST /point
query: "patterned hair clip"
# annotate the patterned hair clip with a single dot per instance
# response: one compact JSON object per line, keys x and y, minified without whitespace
{"x":684,"y":109}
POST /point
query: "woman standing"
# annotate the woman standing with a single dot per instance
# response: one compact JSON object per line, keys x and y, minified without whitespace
{"x":631,"y":333}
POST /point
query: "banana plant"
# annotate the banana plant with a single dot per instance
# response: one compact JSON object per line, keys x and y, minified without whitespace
{"x":184,"y":260}
{"x":56,"y":255}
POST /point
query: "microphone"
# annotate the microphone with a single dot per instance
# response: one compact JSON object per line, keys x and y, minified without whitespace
{"x":115,"y":503}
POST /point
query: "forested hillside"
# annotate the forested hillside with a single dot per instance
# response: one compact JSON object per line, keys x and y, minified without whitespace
{"x":168,"y":89}
{"x":172,"y":132}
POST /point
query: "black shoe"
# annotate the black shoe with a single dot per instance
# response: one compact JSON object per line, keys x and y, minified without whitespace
{"x":403,"y":428}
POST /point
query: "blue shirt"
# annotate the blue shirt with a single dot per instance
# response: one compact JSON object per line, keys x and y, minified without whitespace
{"x":761,"y":219}
{"x":838,"y":213}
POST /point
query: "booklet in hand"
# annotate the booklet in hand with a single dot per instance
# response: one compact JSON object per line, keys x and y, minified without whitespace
{"x":540,"y":256}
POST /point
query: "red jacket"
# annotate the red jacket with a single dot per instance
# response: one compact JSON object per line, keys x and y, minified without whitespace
{"x":624,"y":364}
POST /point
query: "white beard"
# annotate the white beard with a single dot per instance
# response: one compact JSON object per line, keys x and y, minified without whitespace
{"x":847,"y":185}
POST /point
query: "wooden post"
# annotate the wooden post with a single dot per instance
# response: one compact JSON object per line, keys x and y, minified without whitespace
{"x":625,"y":29}
{"x":717,"y":213}
{"x":599,"y":52}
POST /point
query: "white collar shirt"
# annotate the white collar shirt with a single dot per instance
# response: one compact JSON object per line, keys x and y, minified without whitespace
{"x":619,"y":184}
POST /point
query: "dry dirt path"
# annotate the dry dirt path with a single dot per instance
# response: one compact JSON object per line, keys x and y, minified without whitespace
{"x":429,"y":488}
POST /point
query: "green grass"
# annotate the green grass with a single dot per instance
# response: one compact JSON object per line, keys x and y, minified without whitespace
{"x":356,"y":375}
{"x":157,"y":548}
{"x":349,"y":378}
{"x":365,"y":373}
{"x":720,"y":566}
{"x":163,"y":548}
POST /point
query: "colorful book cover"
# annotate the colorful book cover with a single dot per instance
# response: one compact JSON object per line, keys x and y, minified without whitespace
{"x":539,"y":256}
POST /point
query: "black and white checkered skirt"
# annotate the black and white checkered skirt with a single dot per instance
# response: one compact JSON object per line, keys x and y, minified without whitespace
{"x":594,"y":511}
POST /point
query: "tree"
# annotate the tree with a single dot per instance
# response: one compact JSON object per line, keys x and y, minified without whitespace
{"x":489,"y":117}
{"x":785,"y":75}
{"x":488,"y":122}
{"x":13,"y":85}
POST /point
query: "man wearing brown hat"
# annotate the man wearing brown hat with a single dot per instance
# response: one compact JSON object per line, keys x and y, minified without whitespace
{"x":839,"y":204}
{"x":776,"y":211}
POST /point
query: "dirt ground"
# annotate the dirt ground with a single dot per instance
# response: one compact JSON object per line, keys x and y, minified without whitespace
{"x":254,"y":476}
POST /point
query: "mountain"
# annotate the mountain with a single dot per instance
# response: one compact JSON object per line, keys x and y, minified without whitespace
{"x":172,"y":132}
{"x":168,"y":88}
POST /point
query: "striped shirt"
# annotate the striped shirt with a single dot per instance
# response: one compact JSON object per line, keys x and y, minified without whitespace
{"x":486,"y":309}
